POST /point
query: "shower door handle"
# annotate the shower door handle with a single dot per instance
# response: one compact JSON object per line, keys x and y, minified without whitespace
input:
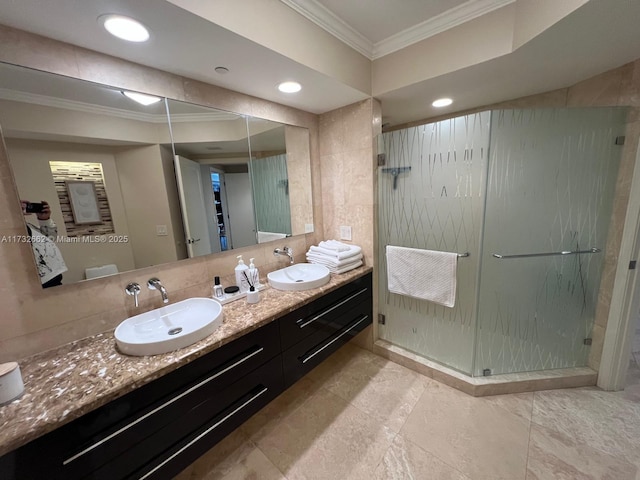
{"x":548,"y":254}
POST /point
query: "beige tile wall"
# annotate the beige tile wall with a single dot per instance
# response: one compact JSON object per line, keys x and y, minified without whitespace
{"x":347,"y":159}
{"x":34,"y":319}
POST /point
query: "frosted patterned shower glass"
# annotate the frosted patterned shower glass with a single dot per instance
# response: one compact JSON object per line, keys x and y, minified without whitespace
{"x":550,"y":187}
{"x":271,"y":194}
{"x":435,"y":206}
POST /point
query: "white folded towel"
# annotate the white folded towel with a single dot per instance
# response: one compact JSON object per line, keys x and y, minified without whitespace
{"x":353,"y":250}
{"x":335,"y":245}
{"x":346,"y":268}
{"x":332,"y":261}
{"x":424,"y":274}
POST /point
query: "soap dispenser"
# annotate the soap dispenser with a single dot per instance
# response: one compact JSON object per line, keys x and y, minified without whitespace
{"x":253,"y":274}
{"x":241,"y":280}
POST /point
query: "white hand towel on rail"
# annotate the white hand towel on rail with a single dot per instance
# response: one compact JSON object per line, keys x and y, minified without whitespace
{"x":423,"y":274}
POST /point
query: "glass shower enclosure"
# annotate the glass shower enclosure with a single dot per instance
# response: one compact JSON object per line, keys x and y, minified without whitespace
{"x":528,"y":195}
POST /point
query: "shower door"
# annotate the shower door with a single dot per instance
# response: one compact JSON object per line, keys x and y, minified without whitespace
{"x":552,"y":174}
{"x":436,"y":205}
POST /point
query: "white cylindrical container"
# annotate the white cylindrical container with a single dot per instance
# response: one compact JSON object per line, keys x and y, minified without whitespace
{"x":253,"y":296}
{"x":11,"y":386}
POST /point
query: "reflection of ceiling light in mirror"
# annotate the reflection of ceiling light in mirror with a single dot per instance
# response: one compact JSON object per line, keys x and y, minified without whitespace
{"x":222,"y":70}
{"x":125,"y":28}
{"x":141,"y":98}
{"x":289,"y":87}
{"x":442,"y":102}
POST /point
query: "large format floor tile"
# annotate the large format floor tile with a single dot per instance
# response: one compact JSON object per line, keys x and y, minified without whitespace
{"x":325,"y":438}
{"x":480,"y":438}
{"x":553,"y":455}
{"x":383,"y":389}
{"x":602,"y":420}
{"x":341,"y":422}
{"x":405,"y":460}
{"x":234,"y":458}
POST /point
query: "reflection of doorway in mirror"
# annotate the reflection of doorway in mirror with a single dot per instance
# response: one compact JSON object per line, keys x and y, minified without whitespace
{"x":219,"y":206}
{"x":194,"y":206}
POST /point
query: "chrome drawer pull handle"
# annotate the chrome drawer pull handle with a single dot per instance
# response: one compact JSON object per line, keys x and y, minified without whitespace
{"x":306,"y":358}
{"x":160,"y":407}
{"x":206,"y":432}
{"x":320,"y":315}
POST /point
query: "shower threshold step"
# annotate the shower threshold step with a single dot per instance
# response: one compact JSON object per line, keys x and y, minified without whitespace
{"x":493,"y":385}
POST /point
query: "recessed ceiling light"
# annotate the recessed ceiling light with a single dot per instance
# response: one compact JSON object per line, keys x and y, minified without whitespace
{"x":289,"y":87}
{"x":442,"y":102}
{"x":141,"y":98}
{"x":222,"y":70}
{"x":125,"y":28}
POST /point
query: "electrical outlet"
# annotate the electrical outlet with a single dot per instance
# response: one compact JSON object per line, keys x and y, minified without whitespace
{"x":308,"y":228}
{"x":161,"y":230}
{"x":345,"y":232}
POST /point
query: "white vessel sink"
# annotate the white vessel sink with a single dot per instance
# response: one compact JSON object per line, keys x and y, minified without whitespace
{"x":302,"y":276}
{"x":169,"y":328}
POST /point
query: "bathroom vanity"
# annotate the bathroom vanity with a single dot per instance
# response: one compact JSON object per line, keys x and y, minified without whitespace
{"x":172,"y":415}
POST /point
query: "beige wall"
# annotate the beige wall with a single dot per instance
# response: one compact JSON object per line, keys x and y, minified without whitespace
{"x":35,"y":319}
{"x":30,"y":163}
{"x":144,"y":191}
{"x":347,"y":158}
{"x":299,"y":174}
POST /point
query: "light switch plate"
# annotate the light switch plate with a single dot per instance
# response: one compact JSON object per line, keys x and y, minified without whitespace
{"x":345,"y":232}
{"x":161,"y":230}
{"x":308,"y":228}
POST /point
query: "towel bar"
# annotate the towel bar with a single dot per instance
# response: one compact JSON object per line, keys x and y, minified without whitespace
{"x":460,"y":255}
{"x":527,"y":255}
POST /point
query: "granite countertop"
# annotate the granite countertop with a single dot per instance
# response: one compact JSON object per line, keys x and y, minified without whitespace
{"x":65,"y":383}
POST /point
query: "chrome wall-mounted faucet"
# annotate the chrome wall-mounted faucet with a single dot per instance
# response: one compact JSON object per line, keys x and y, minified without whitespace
{"x":134,"y":290}
{"x":288,"y":251}
{"x":154,"y":284}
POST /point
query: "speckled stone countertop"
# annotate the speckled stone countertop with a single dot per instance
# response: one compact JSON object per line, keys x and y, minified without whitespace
{"x":67,"y":382}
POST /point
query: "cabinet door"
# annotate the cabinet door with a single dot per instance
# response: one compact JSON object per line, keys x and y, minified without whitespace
{"x":319,"y":315}
{"x":95,"y":439}
{"x":310,"y":352}
{"x":192,"y":434}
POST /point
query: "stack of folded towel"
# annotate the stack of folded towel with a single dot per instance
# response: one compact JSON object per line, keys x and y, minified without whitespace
{"x":338,"y":257}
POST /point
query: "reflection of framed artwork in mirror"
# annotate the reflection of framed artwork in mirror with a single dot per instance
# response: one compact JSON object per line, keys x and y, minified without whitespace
{"x":84,"y":202}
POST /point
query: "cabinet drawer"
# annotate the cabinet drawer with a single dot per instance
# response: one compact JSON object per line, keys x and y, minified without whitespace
{"x":310,"y":352}
{"x":192,"y":434}
{"x":318,"y":315}
{"x":99,"y":436}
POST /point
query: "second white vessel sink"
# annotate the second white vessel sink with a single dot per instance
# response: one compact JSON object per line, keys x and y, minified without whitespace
{"x":169,"y":328}
{"x":301,"y":276}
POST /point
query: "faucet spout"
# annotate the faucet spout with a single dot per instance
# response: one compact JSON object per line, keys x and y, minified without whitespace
{"x":155,"y":284}
{"x":288,"y":251}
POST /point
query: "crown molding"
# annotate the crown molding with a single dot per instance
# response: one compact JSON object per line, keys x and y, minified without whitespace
{"x":451,"y":18}
{"x":46,"y":101}
{"x":331,"y":23}
{"x":317,"y":13}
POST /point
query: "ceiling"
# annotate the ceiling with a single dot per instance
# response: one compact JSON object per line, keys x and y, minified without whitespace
{"x":598,"y":36}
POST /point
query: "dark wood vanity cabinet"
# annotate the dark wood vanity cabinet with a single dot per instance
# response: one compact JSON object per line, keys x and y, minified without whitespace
{"x":313,"y":332}
{"x":176,"y":417}
{"x":157,"y":430}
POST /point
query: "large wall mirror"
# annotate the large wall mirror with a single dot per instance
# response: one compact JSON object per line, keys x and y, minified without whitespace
{"x":130,"y":185}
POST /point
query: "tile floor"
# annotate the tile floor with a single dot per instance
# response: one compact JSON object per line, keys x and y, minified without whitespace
{"x":359,"y":416}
